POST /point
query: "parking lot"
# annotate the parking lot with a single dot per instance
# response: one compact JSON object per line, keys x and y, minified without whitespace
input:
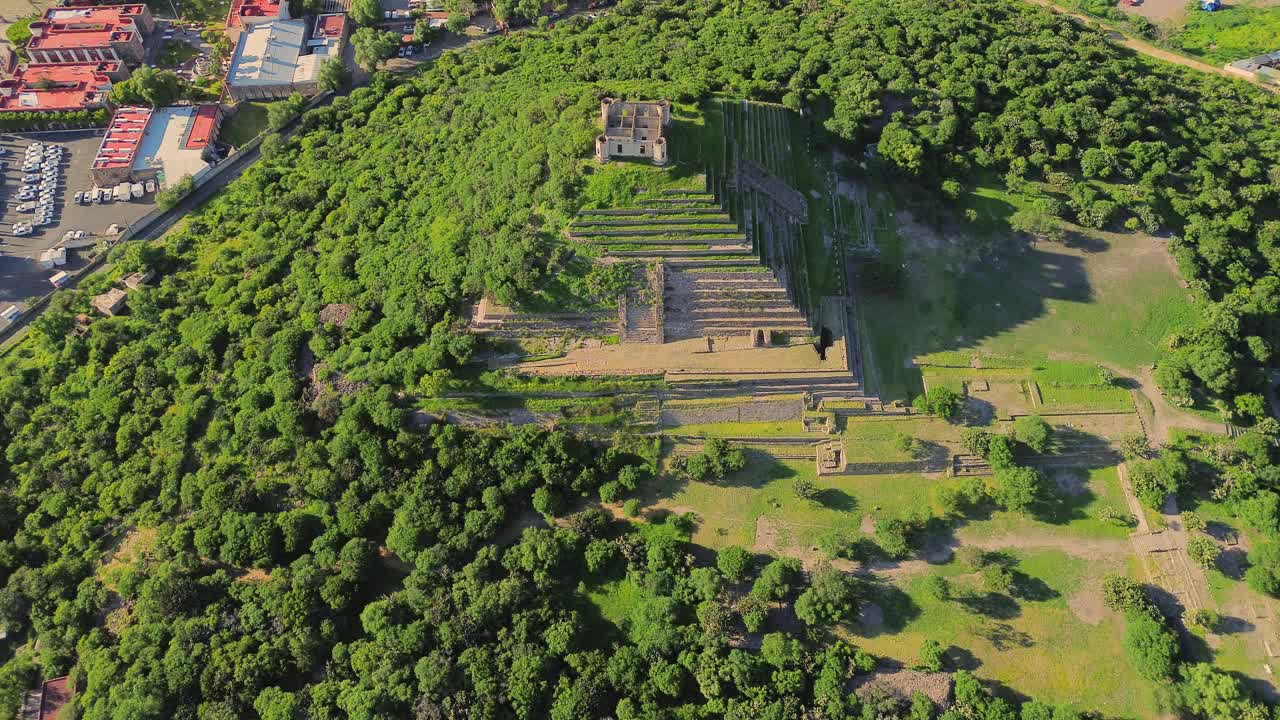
{"x":21,"y":276}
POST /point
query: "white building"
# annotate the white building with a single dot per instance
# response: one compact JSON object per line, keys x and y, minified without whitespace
{"x":269,"y":62}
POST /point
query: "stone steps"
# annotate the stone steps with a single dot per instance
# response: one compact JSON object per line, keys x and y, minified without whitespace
{"x":676,"y":254}
{"x":736,"y":304}
{"x":655,"y":211}
{"x":678,"y":201}
{"x":651,"y":232}
{"x":766,"y":317}
{"x":721,"y":240}
{"x":658,"y":221}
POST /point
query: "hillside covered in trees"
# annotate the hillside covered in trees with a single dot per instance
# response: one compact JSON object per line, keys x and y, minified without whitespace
{"x":312,"y":553}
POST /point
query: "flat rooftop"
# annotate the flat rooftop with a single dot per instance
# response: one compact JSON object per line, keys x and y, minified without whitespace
{"x":86,"y":26}
{"x":166,"y":143}
{"x":252,"y":9}
{"x":55,"y":87}
{"x":268,"y":53}
{"x":330,"y":26}
{"x":120,"y":144}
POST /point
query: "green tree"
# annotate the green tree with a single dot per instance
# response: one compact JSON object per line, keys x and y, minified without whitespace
{"x":1151,"y":645}
{"x":831,"y":598}
{"x":372,"y":47}
{"x":333,"y":75}
{"x":1203,"y":551}
{"x":283,"y":112}
{"x":168,"y":198}
{"x":1018,"y":488}
{"x":366,"y":13}
{"x":1263,"y":574}
{"x":1033,"y":431}
{"x":734,"y":562}
{"x":931,"y":655}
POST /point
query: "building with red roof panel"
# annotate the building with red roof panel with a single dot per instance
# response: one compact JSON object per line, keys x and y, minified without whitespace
{"x":167,"y":143}
{"x":90,"y":34}
{"x":247,"y":12}
{"x":56,"y":88}
{"x":114,"y":162}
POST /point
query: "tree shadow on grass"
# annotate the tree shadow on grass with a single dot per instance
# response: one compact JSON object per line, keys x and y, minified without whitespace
{"x":960,"y":658}
{"x":762,"y":469}
{"x":991,"y":605}
{"x":836,"y":499}
{"x":1033,"y":589}
{"x":1004,"y":636}
{"x":896,"y":608}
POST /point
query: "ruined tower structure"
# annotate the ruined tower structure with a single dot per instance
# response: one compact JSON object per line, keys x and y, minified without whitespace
{"x":634,"y":130}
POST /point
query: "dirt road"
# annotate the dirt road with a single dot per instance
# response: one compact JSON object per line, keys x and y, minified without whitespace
{"x":1146,"y":48}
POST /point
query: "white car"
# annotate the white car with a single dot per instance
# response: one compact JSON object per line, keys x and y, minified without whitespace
{"x":30,"y":167}
{"x":31,"y":178}
{"x":79,"y":196}
{"x":26,"y":207}
{"x":21,"y":230}
{"x":41,"y":221}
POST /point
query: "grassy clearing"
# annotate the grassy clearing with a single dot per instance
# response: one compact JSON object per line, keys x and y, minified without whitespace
{"x":175,"y":52}
{"x":1236,"y":31}
{"x":1110,"y":299}
{"x":249,"y":120}
{"x":1061,"y":398}
{"x":1079,"y":497}
{"x":1037,"y":648}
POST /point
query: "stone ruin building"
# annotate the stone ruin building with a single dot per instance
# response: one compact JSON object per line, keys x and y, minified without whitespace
{"x":634,"y":130}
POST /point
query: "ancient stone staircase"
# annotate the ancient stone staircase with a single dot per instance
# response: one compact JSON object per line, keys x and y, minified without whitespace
{"x":713,"y":284}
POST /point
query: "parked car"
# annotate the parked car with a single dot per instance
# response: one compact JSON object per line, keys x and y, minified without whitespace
{"x":151,"y":186}
{"x":26,"y":207}
{"x":79,"y":196}
{"x":31,"y":178}
{"x":30,"y":167}
{"x":21,"y":229}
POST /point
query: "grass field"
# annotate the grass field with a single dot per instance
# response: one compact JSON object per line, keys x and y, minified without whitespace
{"x":249,"y":120}
{"x":1036,"y":647}
{"x":1236,"y":31}
{"x":1111,"y":298}
{"x":1059,"y":398}
{"x":1072,"y":514}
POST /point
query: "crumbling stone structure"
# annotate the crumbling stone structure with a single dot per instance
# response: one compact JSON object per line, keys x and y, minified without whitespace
{"x":634,"y":129}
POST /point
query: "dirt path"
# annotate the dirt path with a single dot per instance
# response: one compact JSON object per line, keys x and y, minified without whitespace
{"x":1166,"y":415}
{"x":1085,"y":547}
{"x":1146,"y":48}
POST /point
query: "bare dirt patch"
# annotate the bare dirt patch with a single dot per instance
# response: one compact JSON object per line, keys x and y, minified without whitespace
{"x":1164,"y":13}
{"x":1087,"y":606}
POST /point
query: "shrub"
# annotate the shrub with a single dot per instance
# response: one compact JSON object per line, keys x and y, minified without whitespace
{"x":1151,"y":646}
{"x":931,"y":655}
{"x":805,"y":489}
{"x":941,"y":401}
{"x":631,"y":508}
{"x":1203,"y":551}
{"x":1263,"y":574}
{"x":734,"y":562}
{"x":1018,"y":489}
{"x":937,"y":587}
{"x":1033,"y":432}
{"x":1202,"y":619}
{"x":997,"y":579}
{"x":1191,"y":521}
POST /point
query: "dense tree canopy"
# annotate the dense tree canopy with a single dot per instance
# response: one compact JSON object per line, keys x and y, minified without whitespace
{"x":314,"y":546}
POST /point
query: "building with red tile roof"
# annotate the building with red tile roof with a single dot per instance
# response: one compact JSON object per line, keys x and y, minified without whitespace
{"x":56,"y":88}
{"x":166,"y":143}
{"x":114,"y":162}
{"x":90,"y":34}
{"x":247,"y":12}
